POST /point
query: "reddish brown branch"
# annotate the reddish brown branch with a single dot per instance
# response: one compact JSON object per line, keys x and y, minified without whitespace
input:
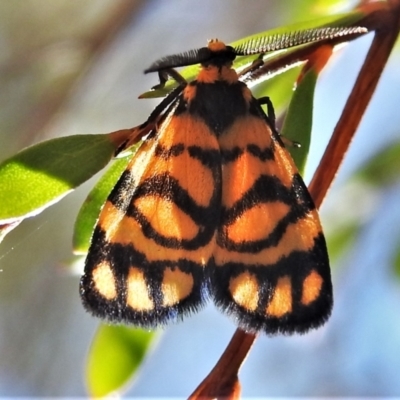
{"x":222,"y":382}
{"x":385,"y":37}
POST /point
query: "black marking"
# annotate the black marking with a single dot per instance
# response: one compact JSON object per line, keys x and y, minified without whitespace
{"x":230,"y":155}
{"x":209,"y":158}
{"x":122,"y":191}
{"x":301,"y":192}
{"x":297,"y":265}
{"x":173,"y":151}
{"x":262,"y":154}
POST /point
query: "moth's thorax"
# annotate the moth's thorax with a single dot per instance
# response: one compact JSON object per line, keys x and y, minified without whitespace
{"x":218,"y":103}
{"x":212,"y":73}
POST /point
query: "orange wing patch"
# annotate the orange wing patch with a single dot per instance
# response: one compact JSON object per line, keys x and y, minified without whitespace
{"x":244,"y":290}
{"x":312,"y":286}
{"x":281,"y":301}
{"x":104,"y":282}
{"x":138,"y":298}
{"x":176,"y":286}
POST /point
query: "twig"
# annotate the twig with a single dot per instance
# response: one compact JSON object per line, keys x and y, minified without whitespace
{"x":385,"y":37}
{"x":222,"y":381}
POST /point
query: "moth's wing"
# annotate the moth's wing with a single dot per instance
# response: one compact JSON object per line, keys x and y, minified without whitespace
{"x":156,"y":232}
{"x":271,"y":264}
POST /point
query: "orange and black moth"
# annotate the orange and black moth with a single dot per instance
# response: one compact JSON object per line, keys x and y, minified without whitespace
{"x":211,"y":206}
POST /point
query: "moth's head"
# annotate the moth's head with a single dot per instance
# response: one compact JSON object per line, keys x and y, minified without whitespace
{"x":216,"y":53}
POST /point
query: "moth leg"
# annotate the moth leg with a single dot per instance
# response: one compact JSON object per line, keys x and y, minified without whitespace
{"x":271,"y":120}
{"x":165,"y":74}
{"x":289,"y":142}
{"x":256,"y":64}
{"x":139,"y":132}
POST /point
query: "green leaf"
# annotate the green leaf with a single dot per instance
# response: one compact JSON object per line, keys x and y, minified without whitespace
{"x":42,"y":174}
{"x":298,"y":122}
{"x":115,"y":355}
{"x":396,"y":261}
{"x":90,"y":210}
{"x":341,"y":240}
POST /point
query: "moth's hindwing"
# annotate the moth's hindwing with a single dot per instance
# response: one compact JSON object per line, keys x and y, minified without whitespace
{"x":156,"y":232}
{"x":271,"y":268}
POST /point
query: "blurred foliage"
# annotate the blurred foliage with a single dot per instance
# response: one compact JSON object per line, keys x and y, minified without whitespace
{"x":383,"y":168}
{"x":396,"y":261}
{"x":341,"y":239}
{"x":364,"y":189}
{"x":37,"y":65}
{"x":115,"y":355}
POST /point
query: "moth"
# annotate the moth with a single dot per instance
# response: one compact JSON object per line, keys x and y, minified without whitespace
{"x":212,"y":207}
